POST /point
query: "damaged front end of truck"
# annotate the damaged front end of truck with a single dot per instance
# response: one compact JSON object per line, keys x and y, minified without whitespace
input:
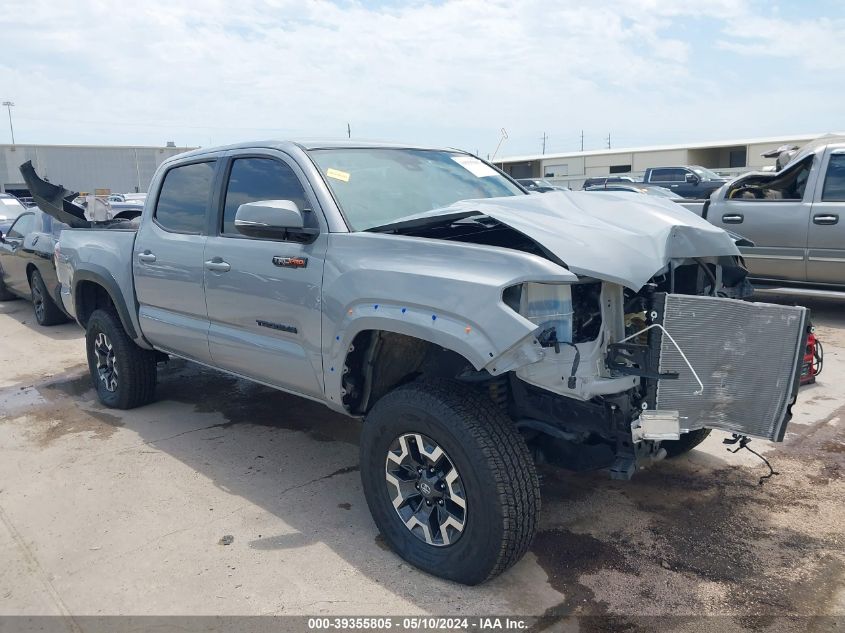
{"x":654,"y":343}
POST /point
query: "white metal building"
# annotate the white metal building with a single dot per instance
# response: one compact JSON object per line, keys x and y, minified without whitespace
{"x":86,"y":168}
{"x":725,"y":157}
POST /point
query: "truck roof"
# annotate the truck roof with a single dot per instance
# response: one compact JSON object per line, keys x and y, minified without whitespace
{"x":306,"y":144}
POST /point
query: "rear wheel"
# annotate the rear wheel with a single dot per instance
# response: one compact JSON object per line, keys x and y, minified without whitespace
{"x":686,"y":443}
{"x":123,"y":374}
{"x":449,"y":481}
{"x":46,"y":310}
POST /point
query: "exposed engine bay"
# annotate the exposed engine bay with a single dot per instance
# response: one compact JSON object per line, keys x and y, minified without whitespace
{"x":643,"y":369}
{"x":628,"y":372}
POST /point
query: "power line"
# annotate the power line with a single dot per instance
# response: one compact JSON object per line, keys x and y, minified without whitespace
{"x":158,"y":125}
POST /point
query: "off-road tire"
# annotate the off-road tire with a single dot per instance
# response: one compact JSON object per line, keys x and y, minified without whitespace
{"x":136,"y":367}
{"x":687,"y":442}
{"x":499,"y":480}
{"x":46,"y":310}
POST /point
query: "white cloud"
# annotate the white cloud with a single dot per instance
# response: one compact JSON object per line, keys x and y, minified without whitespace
{"x":447,"y":73}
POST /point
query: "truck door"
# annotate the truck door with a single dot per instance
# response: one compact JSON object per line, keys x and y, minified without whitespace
{"x":672,"y":178}
{"x":263,"y":295}
{"x":168,"y":262}
{"x":774,"y":215}
{"x":826,"y":234}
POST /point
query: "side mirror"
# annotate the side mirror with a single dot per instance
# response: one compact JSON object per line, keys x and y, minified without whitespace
{"x":2,"y":238}
{"x":692,"y":178}
{"x":273,"y":219}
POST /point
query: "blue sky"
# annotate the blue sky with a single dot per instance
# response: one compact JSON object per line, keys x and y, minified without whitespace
{"x":452,"y":72}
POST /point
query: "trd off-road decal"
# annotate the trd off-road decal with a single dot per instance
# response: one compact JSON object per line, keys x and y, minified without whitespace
{"x":290,"y":262}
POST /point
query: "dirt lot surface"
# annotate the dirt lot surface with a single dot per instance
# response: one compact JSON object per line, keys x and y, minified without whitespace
{"x":109,"y":512}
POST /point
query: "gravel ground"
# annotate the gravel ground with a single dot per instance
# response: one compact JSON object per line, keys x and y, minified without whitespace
{"x":107,"y":512}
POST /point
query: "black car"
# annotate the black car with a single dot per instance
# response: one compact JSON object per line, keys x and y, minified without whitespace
{"x":27,"y":268}
{"x":10,"y":209}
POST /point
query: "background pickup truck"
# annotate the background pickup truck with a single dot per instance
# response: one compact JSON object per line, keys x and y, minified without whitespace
{"x":795,"y":217}
{"x":692,"y":181}
{"x":473,"y":327}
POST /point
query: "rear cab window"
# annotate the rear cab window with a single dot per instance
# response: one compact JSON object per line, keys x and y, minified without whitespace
{"x":184,"y":198}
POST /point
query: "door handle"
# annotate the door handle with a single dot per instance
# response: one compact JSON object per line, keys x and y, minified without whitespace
{"x":146,"y":257}
{"x":218,"y":265}
{"x":733,"y":219}
{"x":673,"y":185}
{"x":826,"y":219}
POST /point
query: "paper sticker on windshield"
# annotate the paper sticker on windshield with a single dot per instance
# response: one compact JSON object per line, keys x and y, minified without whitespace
{"x":338,"y":175}
{"x":474,"y":166}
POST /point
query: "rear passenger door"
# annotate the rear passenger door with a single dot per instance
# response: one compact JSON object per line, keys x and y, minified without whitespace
{"x":673,"y":178}
{"x":168,"y":261}
{"x":826,"y":234}
{"x":263,"y":295}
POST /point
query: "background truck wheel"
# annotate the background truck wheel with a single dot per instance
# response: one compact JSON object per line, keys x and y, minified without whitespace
{"x":687,"y":442}
{"x":124,"y":374}
{"x":46,"y":310}
{"x":449,"y":481}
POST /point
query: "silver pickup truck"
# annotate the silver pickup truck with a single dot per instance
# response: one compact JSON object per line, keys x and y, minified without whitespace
{"x":795,"y":217}
{"x":473,"y":327}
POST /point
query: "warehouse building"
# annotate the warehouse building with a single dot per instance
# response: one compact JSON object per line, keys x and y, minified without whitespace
{"x":84,"y":168}
{"x":725,"y":157}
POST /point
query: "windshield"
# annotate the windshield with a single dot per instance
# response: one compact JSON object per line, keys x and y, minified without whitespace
{"x":377,"y":186}
{"x":10,"y":208}
{"x":706,"y":174}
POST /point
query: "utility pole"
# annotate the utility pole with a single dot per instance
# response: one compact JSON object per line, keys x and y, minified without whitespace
{"x":9,"y":105}
{"x":608,"y":140}
{"x":544,"y":143}
{"x":348,"y":131}
{"x":582,"y":140}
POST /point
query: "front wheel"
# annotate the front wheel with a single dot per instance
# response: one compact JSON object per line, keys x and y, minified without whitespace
{"x":123,"y":374}
{"x":686,"y":443}
{"x":449,"y":481}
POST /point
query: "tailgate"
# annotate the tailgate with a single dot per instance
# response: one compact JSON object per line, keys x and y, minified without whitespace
{"x":748,"y":355}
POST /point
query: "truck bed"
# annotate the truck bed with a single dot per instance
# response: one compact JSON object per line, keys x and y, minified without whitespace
{"x":102,"y":253}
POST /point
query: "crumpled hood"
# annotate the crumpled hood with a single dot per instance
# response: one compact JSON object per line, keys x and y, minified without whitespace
{"x":623,"y":238}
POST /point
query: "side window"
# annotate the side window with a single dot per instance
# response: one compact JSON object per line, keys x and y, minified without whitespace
{"x":254,"y":179}
{"x":786,"y":185}
{"x":834,"y":180}
{"x":668,"y":175}
{"x":22,"y":226}
{"x":183,"y":201}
